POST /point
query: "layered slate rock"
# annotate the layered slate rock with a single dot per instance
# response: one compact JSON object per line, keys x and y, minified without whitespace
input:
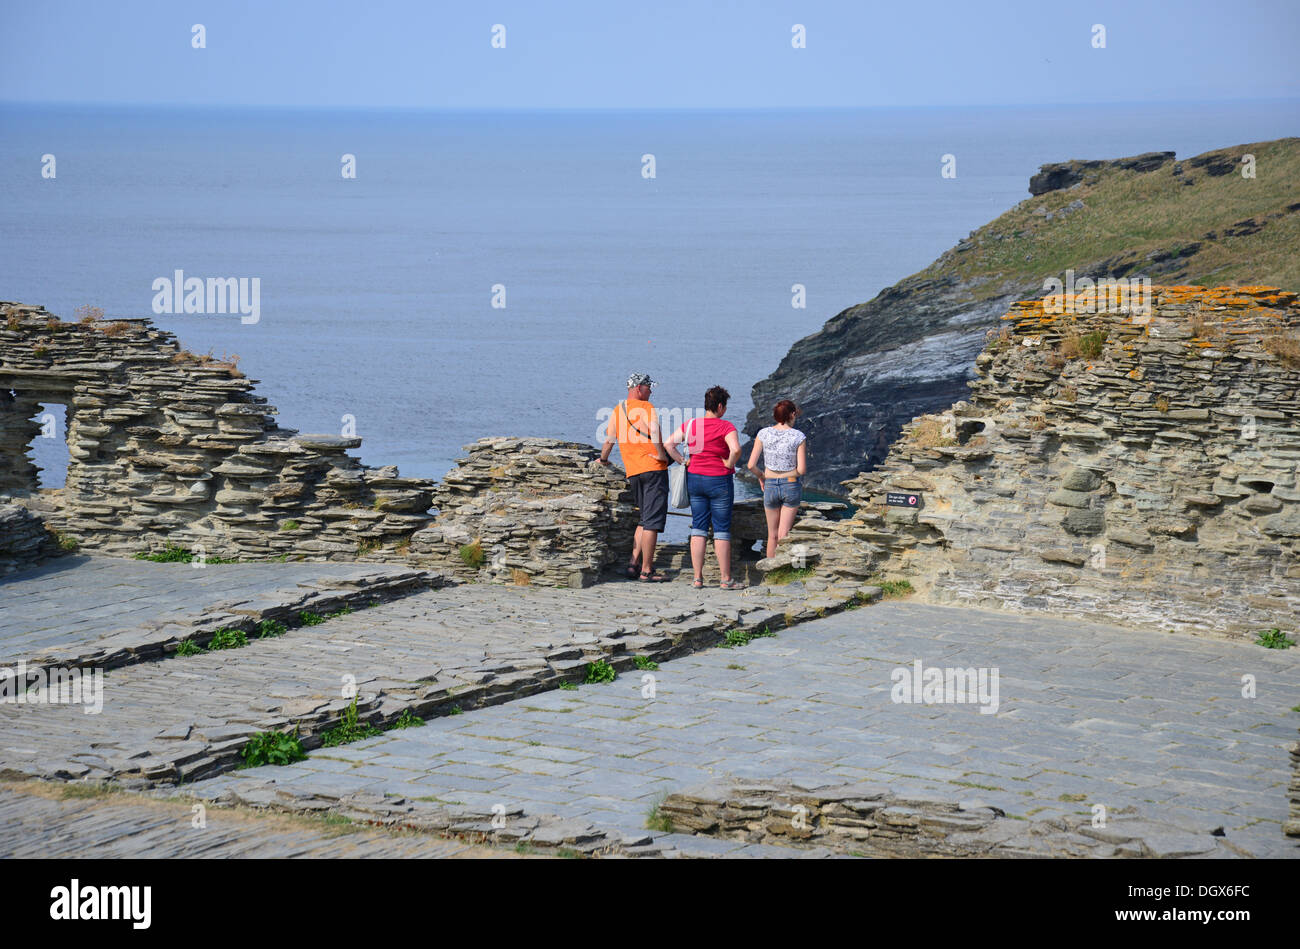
{"x":171,"y":449}
{"x":872,"y":820}
{"x":529,"y":510}
{"x":1154,"y":483}
{"x":24,"y":539}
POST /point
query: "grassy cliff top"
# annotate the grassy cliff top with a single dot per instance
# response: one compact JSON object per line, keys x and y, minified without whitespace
{"x":1195,"y":221}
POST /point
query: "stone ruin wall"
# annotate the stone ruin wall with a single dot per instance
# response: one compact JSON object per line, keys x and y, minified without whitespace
{"x":1155,"y":485}
{"x":167,"y":448}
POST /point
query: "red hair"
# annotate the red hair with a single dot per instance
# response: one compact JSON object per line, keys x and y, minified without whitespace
{"x":785,"y":412}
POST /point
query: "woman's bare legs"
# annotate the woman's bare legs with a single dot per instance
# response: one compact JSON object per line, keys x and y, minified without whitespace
{"x":697,"y":556}
{"x":722,"y":550}
{"x":773,"y":528}
{"x":788,"y":515}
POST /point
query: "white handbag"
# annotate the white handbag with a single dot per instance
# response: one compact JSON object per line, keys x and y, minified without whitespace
{"x":678,"y":497}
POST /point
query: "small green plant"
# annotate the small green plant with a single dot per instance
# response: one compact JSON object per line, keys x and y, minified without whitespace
{"x":656,"y":819}
{"x":599,"y":671}
{"x":568,"y":853}
{"x":349,"y":729}
{"x":641,"y":662}
{"x":188,"y":647}
{"x":70,"y":544}
{"x":455,"y":710}
{"x":368,"y":546}
{"x":228,"y":639}
{"x":308,"y":618}
{"x":735,"y":637}
{"x":783,"y":575}
{"x":524,"y":847}
{"x":568,"y":687}
{"x":891,"y":589}
{"x":270,"y":629}
{"x":736,"y":666}
{"x":272,"y":748}
{"x":343,"y":610}
{"x":472,"y":555}
{"x":1273,"y":639}
{"x":290,"y":526}
{"x":407,"y":720}
{"x":173,"y":554}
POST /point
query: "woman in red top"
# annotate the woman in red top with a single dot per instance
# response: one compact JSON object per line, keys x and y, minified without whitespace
{"x":714,"y":450}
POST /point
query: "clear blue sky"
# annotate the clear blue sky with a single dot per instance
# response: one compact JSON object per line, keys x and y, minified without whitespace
{"x":650,"y":54}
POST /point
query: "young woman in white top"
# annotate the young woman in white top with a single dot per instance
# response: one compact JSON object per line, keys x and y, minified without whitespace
{"x":783,"y":449}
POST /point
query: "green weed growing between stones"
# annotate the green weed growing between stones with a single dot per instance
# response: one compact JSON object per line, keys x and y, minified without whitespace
{"x":735,"y":637}
{"x":308,"y":618}
{"x":188,"y":647}
{"x":472,"y":555}
{"x":173,"y":554}
{"x":228,"y":639}
{"x":568,"y":687}
{"x":599,"y":671}
{"x":455,"y":710}
{"x":641,"y":662}
{"x":277,"y":748}
{"x":290,"y":525}
{"x":892,"y":589}
{"x":784,"y":575}
{"x":656,"y":819}
{"x":270,"y":629}
{"x":349,"y":729}
{"x":1273,"y":639}
{"x":407,"y":720}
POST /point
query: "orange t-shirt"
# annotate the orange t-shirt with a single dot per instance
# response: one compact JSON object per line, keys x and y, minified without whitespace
{"x":631,"y":425}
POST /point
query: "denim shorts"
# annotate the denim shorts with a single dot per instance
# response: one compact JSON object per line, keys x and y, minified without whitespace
{"x":781,"y":492}
{"x":711,"y":497}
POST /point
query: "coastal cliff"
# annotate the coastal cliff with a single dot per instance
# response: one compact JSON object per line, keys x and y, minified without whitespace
{"x":912,"y":348}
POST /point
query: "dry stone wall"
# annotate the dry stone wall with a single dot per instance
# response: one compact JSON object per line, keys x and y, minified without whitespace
{"x":1117,"y":464}
{"x":167,"y":448}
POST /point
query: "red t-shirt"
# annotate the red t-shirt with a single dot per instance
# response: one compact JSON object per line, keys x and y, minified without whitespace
{"x":706,"y":440}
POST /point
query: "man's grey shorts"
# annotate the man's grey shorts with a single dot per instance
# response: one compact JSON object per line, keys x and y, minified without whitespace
{"x":650,"y":488}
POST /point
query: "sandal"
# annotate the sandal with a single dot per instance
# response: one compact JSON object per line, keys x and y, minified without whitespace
{"x":698,"y":584}
{"x":632,"y":571}
{"x":653,"y":577}
{"x":732,"y":584}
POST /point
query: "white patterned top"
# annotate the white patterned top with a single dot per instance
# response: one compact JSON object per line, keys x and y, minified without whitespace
{"x":781,"y":447}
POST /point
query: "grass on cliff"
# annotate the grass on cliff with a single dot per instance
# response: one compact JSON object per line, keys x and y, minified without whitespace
{"x":1135,"y":215}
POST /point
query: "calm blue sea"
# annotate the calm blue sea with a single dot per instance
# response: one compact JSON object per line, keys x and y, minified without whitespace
{"x":376,"y":292}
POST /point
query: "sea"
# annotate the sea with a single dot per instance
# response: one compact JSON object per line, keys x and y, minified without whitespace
{"x":502,"y":273}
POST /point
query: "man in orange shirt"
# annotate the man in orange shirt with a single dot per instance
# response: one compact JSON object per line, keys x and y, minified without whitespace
{"x":635,"y":428}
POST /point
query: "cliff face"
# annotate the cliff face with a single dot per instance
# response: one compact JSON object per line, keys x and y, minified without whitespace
{"x":911,"y":350}
{"x":1114,"y":465}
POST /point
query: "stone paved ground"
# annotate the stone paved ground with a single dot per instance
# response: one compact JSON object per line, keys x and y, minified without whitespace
{"x":183,"y":717}
{"x":40,"y":823}
{"x":1089,"y":714}
{"x":66,"y":608}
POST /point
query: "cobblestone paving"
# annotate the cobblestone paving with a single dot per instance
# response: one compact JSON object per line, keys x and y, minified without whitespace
{"x":1142,"y":723}
{"x":185,"y":717}
{"x":37,"y":824}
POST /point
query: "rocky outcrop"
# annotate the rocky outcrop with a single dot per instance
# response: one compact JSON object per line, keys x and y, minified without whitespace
{"x":1139,"y":467}
{"x":1067,"y":174}
{"x":911,"y":349}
